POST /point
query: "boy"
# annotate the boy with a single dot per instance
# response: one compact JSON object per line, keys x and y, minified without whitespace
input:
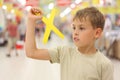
{"x":84,"y":62}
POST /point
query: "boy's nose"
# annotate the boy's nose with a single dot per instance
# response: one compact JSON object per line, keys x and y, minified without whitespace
{"x":76,"y":32}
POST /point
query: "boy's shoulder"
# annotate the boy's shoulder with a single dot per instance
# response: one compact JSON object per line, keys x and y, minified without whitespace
{"x":66,"y":48}
{"x":104,"y":60}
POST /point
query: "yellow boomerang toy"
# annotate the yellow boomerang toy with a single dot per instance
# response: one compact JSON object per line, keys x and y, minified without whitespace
{"x":50,"y":26}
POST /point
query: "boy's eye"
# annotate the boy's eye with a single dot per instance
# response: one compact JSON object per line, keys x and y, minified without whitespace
{"x":82,"y":28}
{"x":73,"y":27}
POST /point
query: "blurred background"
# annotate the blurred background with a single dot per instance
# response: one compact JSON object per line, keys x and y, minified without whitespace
{"x":14,"y":65}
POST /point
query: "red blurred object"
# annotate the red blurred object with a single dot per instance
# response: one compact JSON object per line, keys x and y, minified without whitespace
{"x":16,"y":5}
{"x":32,"y":2}
{"x":63,"y":2}
{"x":8,"y":0}
{"x":20,"y":45}
{"x":18,"y":19}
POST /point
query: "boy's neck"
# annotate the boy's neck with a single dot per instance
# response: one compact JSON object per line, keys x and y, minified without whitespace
{"x":87,"y":50}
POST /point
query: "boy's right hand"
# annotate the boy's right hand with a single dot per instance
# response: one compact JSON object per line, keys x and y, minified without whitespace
{"x":34,"y":14}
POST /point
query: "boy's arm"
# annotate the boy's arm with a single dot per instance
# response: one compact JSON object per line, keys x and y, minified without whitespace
{"x":30,"y":44}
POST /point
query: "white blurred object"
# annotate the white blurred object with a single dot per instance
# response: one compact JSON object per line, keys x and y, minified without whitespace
{"x":28,"y":8}
{"x":65,"y":12}
{"x":4,"y":7}
{"x":1,"y":40}
{"x":50,"y":6}
{"x":113,"y":35}
{"x":108,"y":24}
{"x":23,"y":2}
{"x":78,"y":1}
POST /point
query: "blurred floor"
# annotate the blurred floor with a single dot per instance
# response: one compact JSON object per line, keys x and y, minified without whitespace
{"x":23,"y":68}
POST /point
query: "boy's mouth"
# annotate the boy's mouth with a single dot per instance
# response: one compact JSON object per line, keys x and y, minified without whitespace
{"x":76,"y":39}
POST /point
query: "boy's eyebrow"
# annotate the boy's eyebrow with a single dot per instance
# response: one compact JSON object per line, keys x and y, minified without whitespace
{"x":78,"y":25}
{"x":73,"y":25}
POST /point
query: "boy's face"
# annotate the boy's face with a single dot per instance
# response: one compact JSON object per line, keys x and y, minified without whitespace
{"x":84,"y":34}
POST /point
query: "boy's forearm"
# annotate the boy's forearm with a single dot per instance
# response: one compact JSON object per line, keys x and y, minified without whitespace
{"x":30,"y":44}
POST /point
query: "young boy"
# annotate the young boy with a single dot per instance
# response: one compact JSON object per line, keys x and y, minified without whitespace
{"x":83,"y":62}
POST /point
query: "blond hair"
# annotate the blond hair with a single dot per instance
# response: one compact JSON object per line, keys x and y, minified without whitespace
{"x":93,"y":14}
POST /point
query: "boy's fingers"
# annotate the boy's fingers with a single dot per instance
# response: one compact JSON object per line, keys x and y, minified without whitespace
{"x":35,"y":14}
{"x":36,"y":11}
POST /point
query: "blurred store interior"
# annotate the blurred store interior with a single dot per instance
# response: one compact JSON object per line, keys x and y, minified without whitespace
{"x":19,"y":67}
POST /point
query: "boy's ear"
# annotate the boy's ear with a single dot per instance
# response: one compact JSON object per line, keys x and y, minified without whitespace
{"x":98,"y":33}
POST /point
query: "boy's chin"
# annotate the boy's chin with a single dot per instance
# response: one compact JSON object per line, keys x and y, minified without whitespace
{"x":77,"y":45}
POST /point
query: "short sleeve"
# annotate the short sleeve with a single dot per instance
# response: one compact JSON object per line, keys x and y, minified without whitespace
{"x":55,"y":54}
{"x":107,"y":71}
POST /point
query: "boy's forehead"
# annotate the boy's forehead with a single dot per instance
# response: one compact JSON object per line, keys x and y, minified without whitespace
{"x":77,"y":22}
